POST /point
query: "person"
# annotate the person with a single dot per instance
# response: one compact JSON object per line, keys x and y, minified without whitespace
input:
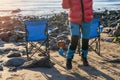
{"x":80,"y":16}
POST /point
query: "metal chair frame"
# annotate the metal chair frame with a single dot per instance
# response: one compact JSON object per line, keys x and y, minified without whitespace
{"x":34,"y":44}
{"x":93,"y":40}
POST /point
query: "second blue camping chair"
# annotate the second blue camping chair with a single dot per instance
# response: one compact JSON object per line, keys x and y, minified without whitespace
{"x":96,"y":30}
{"x":94,"y":43}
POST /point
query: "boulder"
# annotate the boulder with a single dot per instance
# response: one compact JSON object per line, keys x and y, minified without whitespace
{"x":39,"y":62}
{"x":13,"y":54}
{"x":14,"y":62}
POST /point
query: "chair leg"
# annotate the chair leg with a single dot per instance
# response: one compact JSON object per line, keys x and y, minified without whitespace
{"x":47,"y":48}
{"x":27,"y":50}
{"x":97,"y":46}
{"x":79,"y":46}
{"x":32,"y":48}
{"x":45,"y":52}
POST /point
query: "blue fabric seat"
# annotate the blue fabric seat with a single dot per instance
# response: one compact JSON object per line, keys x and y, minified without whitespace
{"x":96,"y":28}
{"x":36,"y":30}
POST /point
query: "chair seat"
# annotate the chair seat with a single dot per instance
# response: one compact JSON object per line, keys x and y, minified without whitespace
{"x":36,"y":40}
{"x":96,"y":29}
{"x":95,"y":32}
{"x":36,"y":30}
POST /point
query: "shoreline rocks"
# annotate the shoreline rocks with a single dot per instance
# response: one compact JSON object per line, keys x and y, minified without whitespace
{"x":10,"y":24}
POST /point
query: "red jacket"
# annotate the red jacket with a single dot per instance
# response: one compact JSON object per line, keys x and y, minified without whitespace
{"x":79,"y":10}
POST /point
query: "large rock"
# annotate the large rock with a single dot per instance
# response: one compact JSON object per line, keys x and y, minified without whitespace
{"x":10,"y":49}
{"x":2,"y":43}
{"x":14,"y":62}
{"x":39,"y":62}
{"x":1,"y":51}
{"x":4,"y":36}
{"x":13,"y":38}
{"x":117,"y":31}
{"x":13,"y":54}
{"x":1,"y":67}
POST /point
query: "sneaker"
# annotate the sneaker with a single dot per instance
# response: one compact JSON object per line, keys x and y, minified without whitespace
{"x":69,"y":64}
{"x":85,"y":62}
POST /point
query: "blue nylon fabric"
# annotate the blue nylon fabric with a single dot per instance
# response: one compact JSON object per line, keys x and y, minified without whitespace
{"x":94,"y":28}
{"x":61,"y":51}
{"x":85,"y":53}
{"x":70,"y":53}
{"x":36,"y":30}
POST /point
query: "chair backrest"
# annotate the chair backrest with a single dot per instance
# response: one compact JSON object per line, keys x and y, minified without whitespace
{"x":36,"y":30}
{"x":95,"y":28}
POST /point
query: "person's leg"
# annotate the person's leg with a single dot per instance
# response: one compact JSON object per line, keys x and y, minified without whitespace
{"x":74,"y":32}
{"x":86,"y":27}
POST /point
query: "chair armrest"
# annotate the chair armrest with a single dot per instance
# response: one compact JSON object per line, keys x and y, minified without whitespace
{"x":52,"y":30}
{"x":21,"y":32}
{"x":101,"y":28}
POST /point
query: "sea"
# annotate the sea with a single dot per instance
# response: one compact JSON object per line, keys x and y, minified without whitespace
{"x":43,"y":7}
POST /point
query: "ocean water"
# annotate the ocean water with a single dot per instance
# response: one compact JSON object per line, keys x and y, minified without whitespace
{"x":41,"y":7}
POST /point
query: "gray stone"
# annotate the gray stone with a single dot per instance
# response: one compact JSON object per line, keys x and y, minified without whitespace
{"x":11,"y":69}
{"x":1,"y":51}
{"x":10,"y":49}
{"x":4,"y":36}
{"x":116,"y":32}
{"x":1,"y":60}
{"x":24,"y":52}
{"x":13,"y":38}
{"x":14,"y":62}
{"x":2,"y":42}
{"x":39,"y":62}
{"x":1,"y":67}
{"x":14,"y":54}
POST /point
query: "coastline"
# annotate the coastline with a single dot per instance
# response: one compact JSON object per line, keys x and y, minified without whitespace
{"x":18,"y":11}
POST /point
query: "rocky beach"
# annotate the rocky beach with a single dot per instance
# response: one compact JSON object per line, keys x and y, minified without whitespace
{"x":13,"y":54}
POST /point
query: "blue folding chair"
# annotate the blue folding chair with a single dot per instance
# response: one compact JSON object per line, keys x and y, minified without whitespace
{"x":36,"y":38}
{"x":96,"y":29}
{"x":94,"y":43}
